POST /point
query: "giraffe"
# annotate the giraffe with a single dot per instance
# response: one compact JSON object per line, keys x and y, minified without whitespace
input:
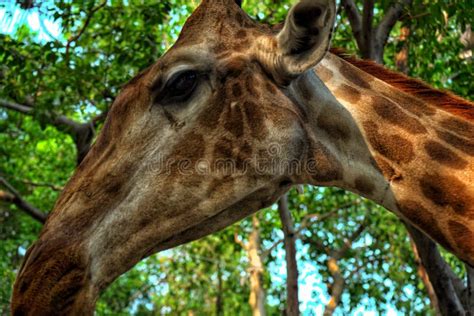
{"x":226,"y":122}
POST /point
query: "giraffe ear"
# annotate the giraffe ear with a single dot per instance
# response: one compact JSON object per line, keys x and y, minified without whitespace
{"x":304,"y":39}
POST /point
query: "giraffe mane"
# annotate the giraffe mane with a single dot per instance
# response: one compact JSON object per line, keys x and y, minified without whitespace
{"x":440,"y":98}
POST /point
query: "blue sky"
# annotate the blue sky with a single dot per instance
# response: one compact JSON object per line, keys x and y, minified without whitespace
{"x":11,"y":17}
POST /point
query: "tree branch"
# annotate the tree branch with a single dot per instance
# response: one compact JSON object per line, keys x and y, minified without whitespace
{"x":15,"y":198}
{"x":239,"y":241}
{"x":354,"y":19}
{"x":445,"y":283}
{"x":425,"y":278}
{"x":82,"y":133}
{"x":348,"y":242}
{"x":292,"y":301}
{"x":336,"y":288}
{"x":43,"y":184}
{"x":16,"y":107}
{"x":468,"y":300}
{"x":385,"y":26}
{"x":306,"y":222}
{"x":367,"y":34}
{"x":76,"y":37}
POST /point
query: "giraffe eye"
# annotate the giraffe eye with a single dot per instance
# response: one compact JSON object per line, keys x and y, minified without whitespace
{"x":181,"y":86}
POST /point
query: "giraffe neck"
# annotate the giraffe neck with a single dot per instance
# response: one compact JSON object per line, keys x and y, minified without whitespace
{"x":406,"y":155}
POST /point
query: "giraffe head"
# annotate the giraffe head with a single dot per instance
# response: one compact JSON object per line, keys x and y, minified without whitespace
{"x":204,"y":137}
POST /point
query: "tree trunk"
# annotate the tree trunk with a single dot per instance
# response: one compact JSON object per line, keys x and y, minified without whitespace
{"x":425,"y":278}
{"x":292,"y":302}
{"x":468,"y":300}
{"x":446,"y":285}
{"x":257,"y":294}
{"x":336,"y":288}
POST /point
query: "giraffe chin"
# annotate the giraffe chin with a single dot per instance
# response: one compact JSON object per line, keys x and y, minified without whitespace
{"x":228,"y":216}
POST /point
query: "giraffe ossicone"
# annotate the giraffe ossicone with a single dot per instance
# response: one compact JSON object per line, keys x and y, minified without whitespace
{"x":223,"y":124}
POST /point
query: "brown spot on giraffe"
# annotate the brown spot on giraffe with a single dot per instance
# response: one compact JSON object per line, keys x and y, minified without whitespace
{"x":234,"y":121}
{"x":364,"y":185}
{"x":462,"y":144}
{"x":324,"y":73}
{"x":241,"y":45}
{"x":255,"y":119}
{"x":444,"y":155}
{"x":241,"y":34}
{"x":193,"y":149}
{"x":390,"y":112}
{"x":223,"y":149}
{"x":411,"y":104}
{"x":393,"y":147}
{"x":449,"y":192}
{"x":251,"y":86}
{"x":210,"y":117}
{"x":328,"y":167}
{"x":463,"y":237}
{"x":421,"y":217}
{"x":348,"y":93}
{"x":231,"y":69}
{"x":387,"y":169}
{"x":460,"y":127}
{"x":334,"y":125}
{"x":236,"y":90}
{"x":270,"y":87}
{"x":349,"y":72}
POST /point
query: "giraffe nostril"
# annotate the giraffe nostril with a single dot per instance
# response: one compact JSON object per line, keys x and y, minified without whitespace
{"x":285,"y":183}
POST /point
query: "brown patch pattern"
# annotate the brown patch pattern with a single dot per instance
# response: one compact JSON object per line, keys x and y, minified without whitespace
{"x":411,"y":104}
{"x":447,"y":191}
{"x":241,"y":34}
{"x":444,"y":155}
{"x":236,"y":90}
{"x":251,"y":86}
{"x":419,"y":216}
{"x":390,"y":112}
{"x":460,"y":127}
{"x":384,"y":166}
{"x":348,"y":93}
{"x":328,"y":168}
{"x":464,"y":145}
{"x":394,"y":147}
{"x":270,"y":87}
{"x":464,"y":238}
{"x":192,"y":149}
{"x":334,"y":125}
{"x":324,"y":73}
{"x":234,"y":121}
{"x":354,"y":76}
{"x":255,"y":118}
